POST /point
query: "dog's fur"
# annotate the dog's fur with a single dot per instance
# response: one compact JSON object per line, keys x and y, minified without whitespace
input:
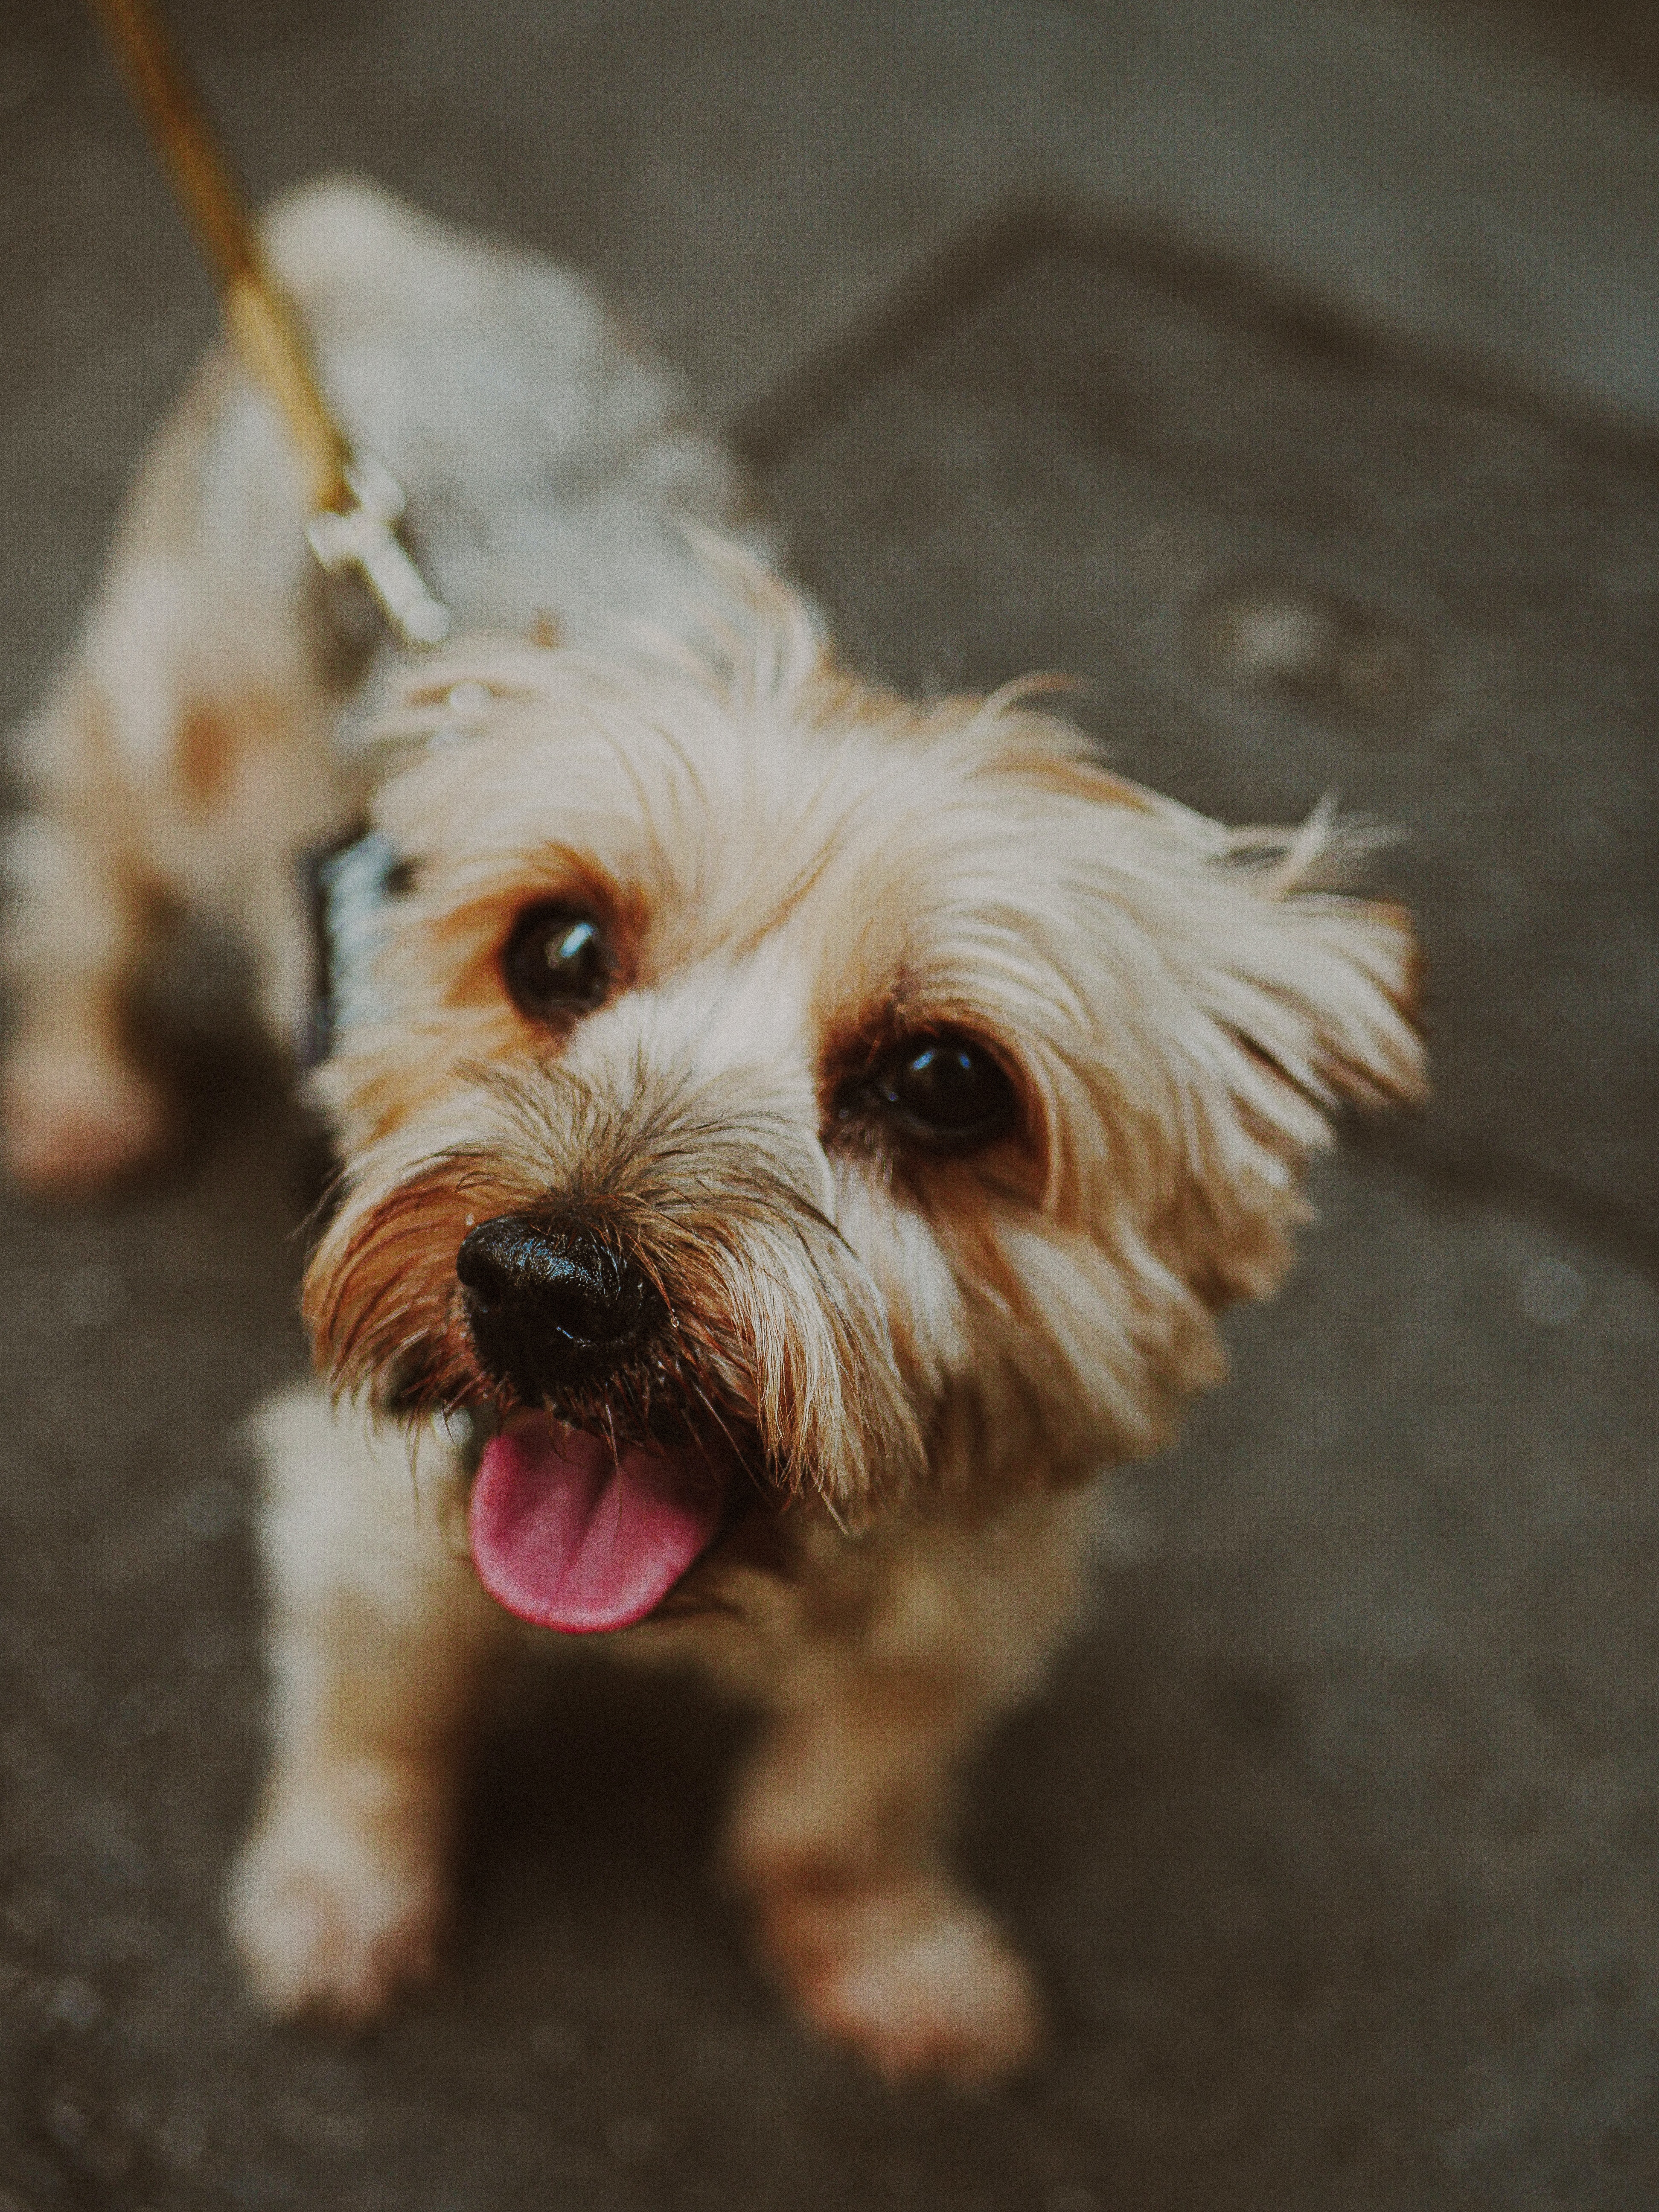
{"x":925,"y":1356}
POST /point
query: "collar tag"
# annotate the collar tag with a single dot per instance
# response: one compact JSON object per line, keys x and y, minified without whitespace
{"x":349,"y":885}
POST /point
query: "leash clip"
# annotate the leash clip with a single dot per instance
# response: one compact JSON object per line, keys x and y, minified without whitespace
{"x":362,"y":537}
{"x":357,"y":501}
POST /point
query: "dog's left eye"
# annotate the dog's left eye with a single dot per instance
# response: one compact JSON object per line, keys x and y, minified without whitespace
{"x":947,"y":1090}
{"x":556,"y":962}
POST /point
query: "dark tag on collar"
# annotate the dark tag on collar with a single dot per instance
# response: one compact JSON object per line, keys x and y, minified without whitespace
{"x":348,"y":886}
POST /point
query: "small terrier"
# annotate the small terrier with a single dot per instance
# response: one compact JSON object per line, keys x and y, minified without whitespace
{"x":793,"y":1137}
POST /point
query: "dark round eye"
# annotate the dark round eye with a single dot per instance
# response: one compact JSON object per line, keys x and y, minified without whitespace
{"x":556,"y":962}
{"x":948,"y":1089}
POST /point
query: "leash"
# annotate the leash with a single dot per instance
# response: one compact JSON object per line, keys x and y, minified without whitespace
{"x":355,"y":503}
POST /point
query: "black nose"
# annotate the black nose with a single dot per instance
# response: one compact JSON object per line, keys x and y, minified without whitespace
{"x":552,"y":1308}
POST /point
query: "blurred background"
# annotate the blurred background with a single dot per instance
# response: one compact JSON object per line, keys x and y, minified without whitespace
{"x":1288,"y":370}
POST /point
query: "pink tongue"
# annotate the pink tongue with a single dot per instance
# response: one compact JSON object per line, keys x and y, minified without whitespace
{"x":567,"y":1536}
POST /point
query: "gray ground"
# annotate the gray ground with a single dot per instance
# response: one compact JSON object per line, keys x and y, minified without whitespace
{"x":1072,"y":336}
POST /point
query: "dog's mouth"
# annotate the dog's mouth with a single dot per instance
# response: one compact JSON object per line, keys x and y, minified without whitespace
{"x":574,"y":1533}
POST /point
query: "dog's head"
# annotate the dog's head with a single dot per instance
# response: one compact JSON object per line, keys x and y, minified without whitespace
{"x":777,"y":1095}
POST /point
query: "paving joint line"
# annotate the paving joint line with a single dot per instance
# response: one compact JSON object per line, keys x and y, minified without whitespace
{"x":1468,"y":1177}
{"x":989,"y":247}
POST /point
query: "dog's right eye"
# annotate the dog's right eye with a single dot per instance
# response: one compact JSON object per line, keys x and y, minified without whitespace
{"x":948,"y":1091}
{"x":556,"y":962}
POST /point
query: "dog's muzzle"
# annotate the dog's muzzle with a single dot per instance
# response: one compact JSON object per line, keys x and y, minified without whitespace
{"x":574,"y":1526}
{"x":552,"y":1308}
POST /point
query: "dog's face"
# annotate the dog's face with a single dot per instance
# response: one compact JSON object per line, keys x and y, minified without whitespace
{"x":776,"y":1093}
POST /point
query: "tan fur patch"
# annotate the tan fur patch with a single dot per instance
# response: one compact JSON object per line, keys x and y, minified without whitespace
{"x":207,"y":756}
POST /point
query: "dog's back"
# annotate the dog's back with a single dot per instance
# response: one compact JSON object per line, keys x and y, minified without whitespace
{"x":544,"y":446}
{"x":191,"y":743}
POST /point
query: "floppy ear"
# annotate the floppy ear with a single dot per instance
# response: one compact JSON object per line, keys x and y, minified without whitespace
{"x":1298,"y":997}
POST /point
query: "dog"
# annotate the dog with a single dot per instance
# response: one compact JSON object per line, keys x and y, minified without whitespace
{"x":794,"y":1137}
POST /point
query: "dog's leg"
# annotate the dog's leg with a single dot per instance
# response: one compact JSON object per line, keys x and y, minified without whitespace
{"x":75,"y":1108}
{"x":837,"y":1843}
{"x":839,"y":1826}
{"x":180,"y":761}
{"x":378,"y":1637}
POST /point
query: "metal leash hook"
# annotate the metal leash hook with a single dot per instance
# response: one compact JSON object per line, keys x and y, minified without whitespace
{"x":363,"y":538}
{"x":357,"y":502}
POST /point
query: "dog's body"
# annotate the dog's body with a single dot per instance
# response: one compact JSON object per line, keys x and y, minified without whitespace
{"x":813,"y":1133}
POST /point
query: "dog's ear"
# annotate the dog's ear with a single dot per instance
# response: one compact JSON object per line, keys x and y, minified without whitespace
{"x":1270,"y":996}
{"x":1307,"y":995}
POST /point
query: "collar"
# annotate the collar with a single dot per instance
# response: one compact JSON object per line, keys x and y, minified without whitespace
{"x":347,"y":887}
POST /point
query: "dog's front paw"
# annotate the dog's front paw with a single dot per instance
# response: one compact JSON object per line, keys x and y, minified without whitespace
{"x":77,"y":1117}
{"x":913,"y":1977}
{"x":335,"y":1909}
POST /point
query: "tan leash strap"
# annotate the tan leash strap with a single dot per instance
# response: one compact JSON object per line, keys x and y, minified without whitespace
{"x":357,"y":503}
